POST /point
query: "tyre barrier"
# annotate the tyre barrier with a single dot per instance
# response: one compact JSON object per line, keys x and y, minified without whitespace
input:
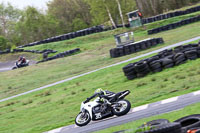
{"x":35,"y":51}
{"x":67,"y":36}
{"x":60,"y":55}
{"x":134,"y":47}
{"x":5,"y":51}
{"x":170,"y":15}
{"x":71,"y":35}
{"x":165,"y":59}
{"x":174,"y":25}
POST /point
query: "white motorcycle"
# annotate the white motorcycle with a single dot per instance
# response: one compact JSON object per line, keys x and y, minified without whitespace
{"x":18,"y":64}
{"x":97,"y":110}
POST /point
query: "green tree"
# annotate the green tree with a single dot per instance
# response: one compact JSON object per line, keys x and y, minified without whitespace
{"x":8,"y":17}
{"x":100,"y":14}
{"x":154,"y":7}
{"x":3,"y":43}
{"x":34,"y":26}
{"x":71,"y":15}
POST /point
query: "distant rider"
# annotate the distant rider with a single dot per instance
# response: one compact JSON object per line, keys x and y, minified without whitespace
{"x":21,"y":61}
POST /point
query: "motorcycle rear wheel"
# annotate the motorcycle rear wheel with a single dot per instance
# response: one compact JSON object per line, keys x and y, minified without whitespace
{"x":80,"y":121}
{"x":124,"y":109}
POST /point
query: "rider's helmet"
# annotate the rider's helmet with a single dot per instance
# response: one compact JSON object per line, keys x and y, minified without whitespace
{"x":100,"y":91}
{"x":21,"y":57}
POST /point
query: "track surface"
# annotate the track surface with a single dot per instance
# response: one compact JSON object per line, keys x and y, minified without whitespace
{"x":6,"y":66}
{"x":137,"y":113}
{"x":131,"y":59}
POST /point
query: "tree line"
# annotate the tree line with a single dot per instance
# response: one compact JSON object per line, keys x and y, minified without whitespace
{"x":23,"y":26}
{"x":154,"y":7}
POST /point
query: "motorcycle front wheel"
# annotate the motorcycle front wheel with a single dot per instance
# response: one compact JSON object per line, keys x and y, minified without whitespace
{"x":82,"y":119}
{"x":123,"y":109}
{"x":14,"y":68}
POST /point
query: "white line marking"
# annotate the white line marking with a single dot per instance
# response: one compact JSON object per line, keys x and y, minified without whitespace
{"x":5,"y":69}
{"x":155,"y":105}
{"x":169,"y":100}
{"x":55,"y":130}
{"x":140,"y":108}
{"x":75,"y":126}
{"x":196,"y":93}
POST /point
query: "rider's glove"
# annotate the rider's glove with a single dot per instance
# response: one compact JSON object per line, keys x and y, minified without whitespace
{"x":86,"y":100}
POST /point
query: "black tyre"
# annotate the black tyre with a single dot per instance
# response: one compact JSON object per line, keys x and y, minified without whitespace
{"x":82,"y":120}
{"x":169,"y":66}
{"x":123,"y":109}
{"x":189,"y":123}
{"x":128,"y":68}
{"x":180,"y":60}
{"x":14,"y":68}
{"x":155,"y":65}
{"x":153,"y":58}
{"x":166,"y":61}
{"x":183,"y":118}
{"x":198,"y":53}
{"x":141,"y":66}
{"x":157,"y":70}
{"x":192,"y":54}
{"x":181,"y":57}
{"x":177,"y":55}
{"x":131,"y":77}
{"x":130,"y":73}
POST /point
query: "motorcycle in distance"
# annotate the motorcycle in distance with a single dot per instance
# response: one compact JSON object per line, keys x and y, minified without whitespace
{"x":19,"y":65}
{"x":97,"y":110}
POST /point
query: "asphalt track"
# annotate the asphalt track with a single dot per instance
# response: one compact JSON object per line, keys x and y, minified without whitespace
{"x":7,"y":66}
{"x":164,"y":106}
{"x":131,"y":59}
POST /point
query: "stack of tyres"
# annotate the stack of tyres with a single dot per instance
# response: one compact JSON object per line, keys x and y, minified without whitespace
{"x":167,"y":63}
{"x":142,"y":68}
{"x":129,"y":71}
{"x":134,"y":47}
{"x":155,"y":66}
{"x":165,"y":59}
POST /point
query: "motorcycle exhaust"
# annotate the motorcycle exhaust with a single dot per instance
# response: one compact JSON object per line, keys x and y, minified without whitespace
{"x":125,"y":94}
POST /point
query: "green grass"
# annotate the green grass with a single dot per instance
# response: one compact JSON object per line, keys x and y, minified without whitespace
{"x":172,"y":116}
